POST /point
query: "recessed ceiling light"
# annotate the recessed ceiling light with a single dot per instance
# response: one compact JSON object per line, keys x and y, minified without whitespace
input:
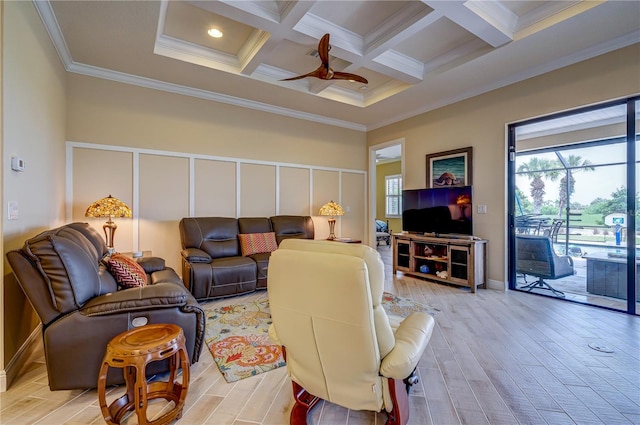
{"x":215,"y":33}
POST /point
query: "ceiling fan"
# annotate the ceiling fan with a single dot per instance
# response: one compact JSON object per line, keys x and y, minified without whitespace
{"x":324,"y":72}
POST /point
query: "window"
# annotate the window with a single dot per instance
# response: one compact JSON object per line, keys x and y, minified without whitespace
{"x":393,"y":195}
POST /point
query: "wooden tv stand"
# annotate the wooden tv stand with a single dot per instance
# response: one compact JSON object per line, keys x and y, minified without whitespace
{"x":463,"y":259}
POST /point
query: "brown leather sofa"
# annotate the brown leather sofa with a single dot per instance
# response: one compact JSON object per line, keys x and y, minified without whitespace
{"x":212,"y":261}
{"x":62,"y":274}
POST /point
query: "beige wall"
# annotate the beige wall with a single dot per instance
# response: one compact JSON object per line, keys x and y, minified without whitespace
{"x":33,"y":96}
{"x":383,"y":170}
{"x":481,"y":122}
{"x":169,"y":156}
{"x":111,"y":113}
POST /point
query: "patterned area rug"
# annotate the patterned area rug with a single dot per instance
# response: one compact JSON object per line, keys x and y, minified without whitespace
{"x":237,"y":334}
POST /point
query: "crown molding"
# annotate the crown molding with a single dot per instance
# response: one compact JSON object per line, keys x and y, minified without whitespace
{"x":411,"y":69}
{"x":55,"y":33}
{"x":192,"y":53}
{"x":122,"y":77}
{"x":497,"y":15}
{"x":259,"y":8}
{"x":51,"y":24}
{"x":347,"y":41}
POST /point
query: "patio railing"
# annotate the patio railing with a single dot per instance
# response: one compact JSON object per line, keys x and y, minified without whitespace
{"x":584,"y":237}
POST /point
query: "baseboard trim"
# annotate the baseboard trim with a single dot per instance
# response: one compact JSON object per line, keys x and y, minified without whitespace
{"x":496,"y":284}
{"x":14,"y":366}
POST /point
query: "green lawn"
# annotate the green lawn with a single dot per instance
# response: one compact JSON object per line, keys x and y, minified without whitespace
{"x":581,"y":220}
{"x":588,"y":228}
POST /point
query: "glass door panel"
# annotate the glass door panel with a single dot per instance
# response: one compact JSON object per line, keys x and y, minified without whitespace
{"x":634,"y":129}
{"x":572,"y":236}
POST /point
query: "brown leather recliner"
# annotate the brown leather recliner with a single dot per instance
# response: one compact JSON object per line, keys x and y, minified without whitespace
{"x":81,"y":308}
{"x":212,"y":261}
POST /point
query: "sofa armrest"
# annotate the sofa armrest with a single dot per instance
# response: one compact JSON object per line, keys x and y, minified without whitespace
{"x":166,"y":275}
{"x":195,"y":255}
{"x":412,"y":338}
{"x":151,"y":264}
{"x":160,"y":295}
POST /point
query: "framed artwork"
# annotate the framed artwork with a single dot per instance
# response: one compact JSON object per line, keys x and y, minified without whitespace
{"x":450,"y":168}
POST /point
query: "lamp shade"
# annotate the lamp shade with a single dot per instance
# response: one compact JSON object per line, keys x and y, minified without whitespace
{"x":108,"y":207}
{"x":331,"y":209}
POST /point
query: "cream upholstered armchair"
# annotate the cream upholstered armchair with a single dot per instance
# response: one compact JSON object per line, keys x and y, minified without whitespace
{"x":325,"y":300}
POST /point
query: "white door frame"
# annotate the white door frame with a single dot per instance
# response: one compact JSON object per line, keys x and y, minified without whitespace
{"x":372,"y":183}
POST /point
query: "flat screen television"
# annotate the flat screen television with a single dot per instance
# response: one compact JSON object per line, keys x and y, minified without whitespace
{"x":438,"y":211}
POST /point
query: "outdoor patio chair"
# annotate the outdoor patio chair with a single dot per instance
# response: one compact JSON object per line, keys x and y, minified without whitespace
{"x":535,"y":257}
{"x":382,"y":232}
{"x":552,"y":231}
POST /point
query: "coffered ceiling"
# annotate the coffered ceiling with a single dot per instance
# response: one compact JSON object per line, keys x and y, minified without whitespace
{"x":416,"y":55}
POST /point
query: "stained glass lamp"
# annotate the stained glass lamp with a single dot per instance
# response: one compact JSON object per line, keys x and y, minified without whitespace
{"x":332,"y":210}
{"x":109,"y":207}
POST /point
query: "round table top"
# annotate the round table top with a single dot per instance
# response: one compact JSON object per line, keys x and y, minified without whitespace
{"x":145,"y":339}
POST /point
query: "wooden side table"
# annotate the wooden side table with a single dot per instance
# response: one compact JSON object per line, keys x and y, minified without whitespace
{"x":132,"y":351}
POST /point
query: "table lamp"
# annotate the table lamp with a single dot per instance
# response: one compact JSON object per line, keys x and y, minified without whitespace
{"x":332,"y":210}
{"x":109,"y":207}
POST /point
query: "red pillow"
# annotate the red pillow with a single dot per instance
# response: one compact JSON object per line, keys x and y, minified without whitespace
{"x":127,"y":272}
{"x":255,"y":243}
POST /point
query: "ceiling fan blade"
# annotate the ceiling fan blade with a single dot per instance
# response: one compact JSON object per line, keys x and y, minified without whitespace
{"x":323,"y":50}
{"x":324,"y":72}
{"x":347,"y":76}
{"x":299,"y":77}
{"x":318,"y":73}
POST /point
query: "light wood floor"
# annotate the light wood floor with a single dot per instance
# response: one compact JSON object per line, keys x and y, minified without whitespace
{"x":494,"y":358}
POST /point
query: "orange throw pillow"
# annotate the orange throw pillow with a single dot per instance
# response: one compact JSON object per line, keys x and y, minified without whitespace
{"x":255,"y":243}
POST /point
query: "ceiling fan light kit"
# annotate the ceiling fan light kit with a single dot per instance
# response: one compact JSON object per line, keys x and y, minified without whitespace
{"x":324,"y":71}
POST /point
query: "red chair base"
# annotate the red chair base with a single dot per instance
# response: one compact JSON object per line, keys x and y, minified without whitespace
{"x":306,"y":401}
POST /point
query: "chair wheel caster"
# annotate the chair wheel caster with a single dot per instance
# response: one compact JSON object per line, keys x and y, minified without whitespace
{"x":411,"y":380}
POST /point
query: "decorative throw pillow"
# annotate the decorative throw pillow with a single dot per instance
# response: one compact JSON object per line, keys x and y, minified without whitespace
{"x":255,"y":243}
{"x":127,"y":272}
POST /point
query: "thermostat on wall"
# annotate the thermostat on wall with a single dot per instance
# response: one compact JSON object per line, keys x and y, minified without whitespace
{"x":17,"y":163}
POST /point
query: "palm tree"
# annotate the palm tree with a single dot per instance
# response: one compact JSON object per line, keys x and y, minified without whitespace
{"x":575,"y":164}
{"x":536,"y":169}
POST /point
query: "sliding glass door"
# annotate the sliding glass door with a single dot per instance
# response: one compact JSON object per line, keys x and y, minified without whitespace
{"x":573,"y":182}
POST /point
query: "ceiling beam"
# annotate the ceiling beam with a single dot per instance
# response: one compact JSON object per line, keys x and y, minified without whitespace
{"x":488,"y":20}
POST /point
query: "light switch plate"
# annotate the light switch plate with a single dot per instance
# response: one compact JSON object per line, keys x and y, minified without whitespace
{"x":12,"y":210}
{"x":482,"y":209}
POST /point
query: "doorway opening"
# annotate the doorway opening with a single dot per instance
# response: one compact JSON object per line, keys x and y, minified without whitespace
{"x":386,"y":174}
